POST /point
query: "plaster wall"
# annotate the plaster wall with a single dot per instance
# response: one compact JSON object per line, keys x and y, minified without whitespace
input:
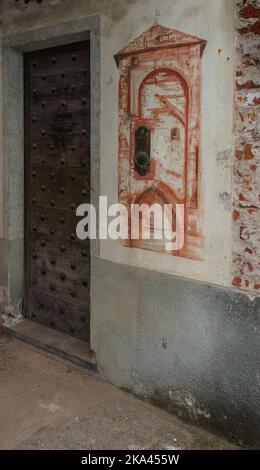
{"x":121,"y":21}
{"x":188,"y":346}
{"x":212,"y":21}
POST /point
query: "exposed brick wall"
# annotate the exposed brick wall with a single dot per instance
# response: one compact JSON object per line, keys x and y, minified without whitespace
{"x":246,"y":210}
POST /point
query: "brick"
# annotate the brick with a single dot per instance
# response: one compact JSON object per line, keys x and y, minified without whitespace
{"x":246,"y":169}
{"x":248,"y":152}
{"x":248,"y":85}
{"x":237,"y":281}
{"x":235,"y":214}
{"x":250,"y":11}
{"x":253,"y":28}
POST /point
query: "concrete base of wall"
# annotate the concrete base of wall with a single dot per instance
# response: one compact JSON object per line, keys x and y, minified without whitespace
{"x":190,"y":347}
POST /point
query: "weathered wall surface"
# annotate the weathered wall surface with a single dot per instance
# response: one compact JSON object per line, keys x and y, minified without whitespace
{"x":191,"y":347}
{"x":121,"y":21}
{"x":246,"y":213}
{"x":216,"y":129}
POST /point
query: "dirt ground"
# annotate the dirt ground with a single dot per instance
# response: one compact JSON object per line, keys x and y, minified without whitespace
{"x":47,"y":404}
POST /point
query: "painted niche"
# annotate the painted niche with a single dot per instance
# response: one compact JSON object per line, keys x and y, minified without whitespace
{"x":159,"y":128}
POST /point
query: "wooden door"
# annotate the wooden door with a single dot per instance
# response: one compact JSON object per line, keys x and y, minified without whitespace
{"x":57,"y":180}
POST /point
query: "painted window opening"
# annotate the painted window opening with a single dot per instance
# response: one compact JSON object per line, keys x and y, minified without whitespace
{"x":142,"y":150}
{"x":175,"y":133}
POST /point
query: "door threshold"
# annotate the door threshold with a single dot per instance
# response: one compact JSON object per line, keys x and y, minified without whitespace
{"x":54,"y":342}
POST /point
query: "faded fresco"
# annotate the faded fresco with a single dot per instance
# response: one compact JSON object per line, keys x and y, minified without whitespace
{"x":159,"y":129}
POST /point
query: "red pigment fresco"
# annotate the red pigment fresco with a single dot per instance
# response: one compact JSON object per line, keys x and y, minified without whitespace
{"x":159,"y":110}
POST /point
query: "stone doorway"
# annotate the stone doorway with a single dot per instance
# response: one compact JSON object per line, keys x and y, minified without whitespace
{"x":57,"y":180}
{"x":14,"y":49}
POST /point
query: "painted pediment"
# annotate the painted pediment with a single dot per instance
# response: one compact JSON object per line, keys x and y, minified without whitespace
{"x":157,"y":37}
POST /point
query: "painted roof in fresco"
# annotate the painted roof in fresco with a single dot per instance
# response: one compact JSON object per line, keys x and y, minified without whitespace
{"x":156,"y":37}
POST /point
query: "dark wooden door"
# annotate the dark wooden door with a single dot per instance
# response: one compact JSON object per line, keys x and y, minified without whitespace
{"x":57,"y":180}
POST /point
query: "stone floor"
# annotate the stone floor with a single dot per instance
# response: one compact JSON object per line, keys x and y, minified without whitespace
{"x":48,"y":404}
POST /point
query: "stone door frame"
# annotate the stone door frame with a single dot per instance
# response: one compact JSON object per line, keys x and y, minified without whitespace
{"x":14,"y":46}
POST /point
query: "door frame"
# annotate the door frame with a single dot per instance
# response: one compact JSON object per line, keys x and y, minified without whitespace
{"x":14,"y":47}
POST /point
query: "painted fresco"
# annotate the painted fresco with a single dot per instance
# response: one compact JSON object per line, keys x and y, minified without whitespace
{"x":159,"y":129}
